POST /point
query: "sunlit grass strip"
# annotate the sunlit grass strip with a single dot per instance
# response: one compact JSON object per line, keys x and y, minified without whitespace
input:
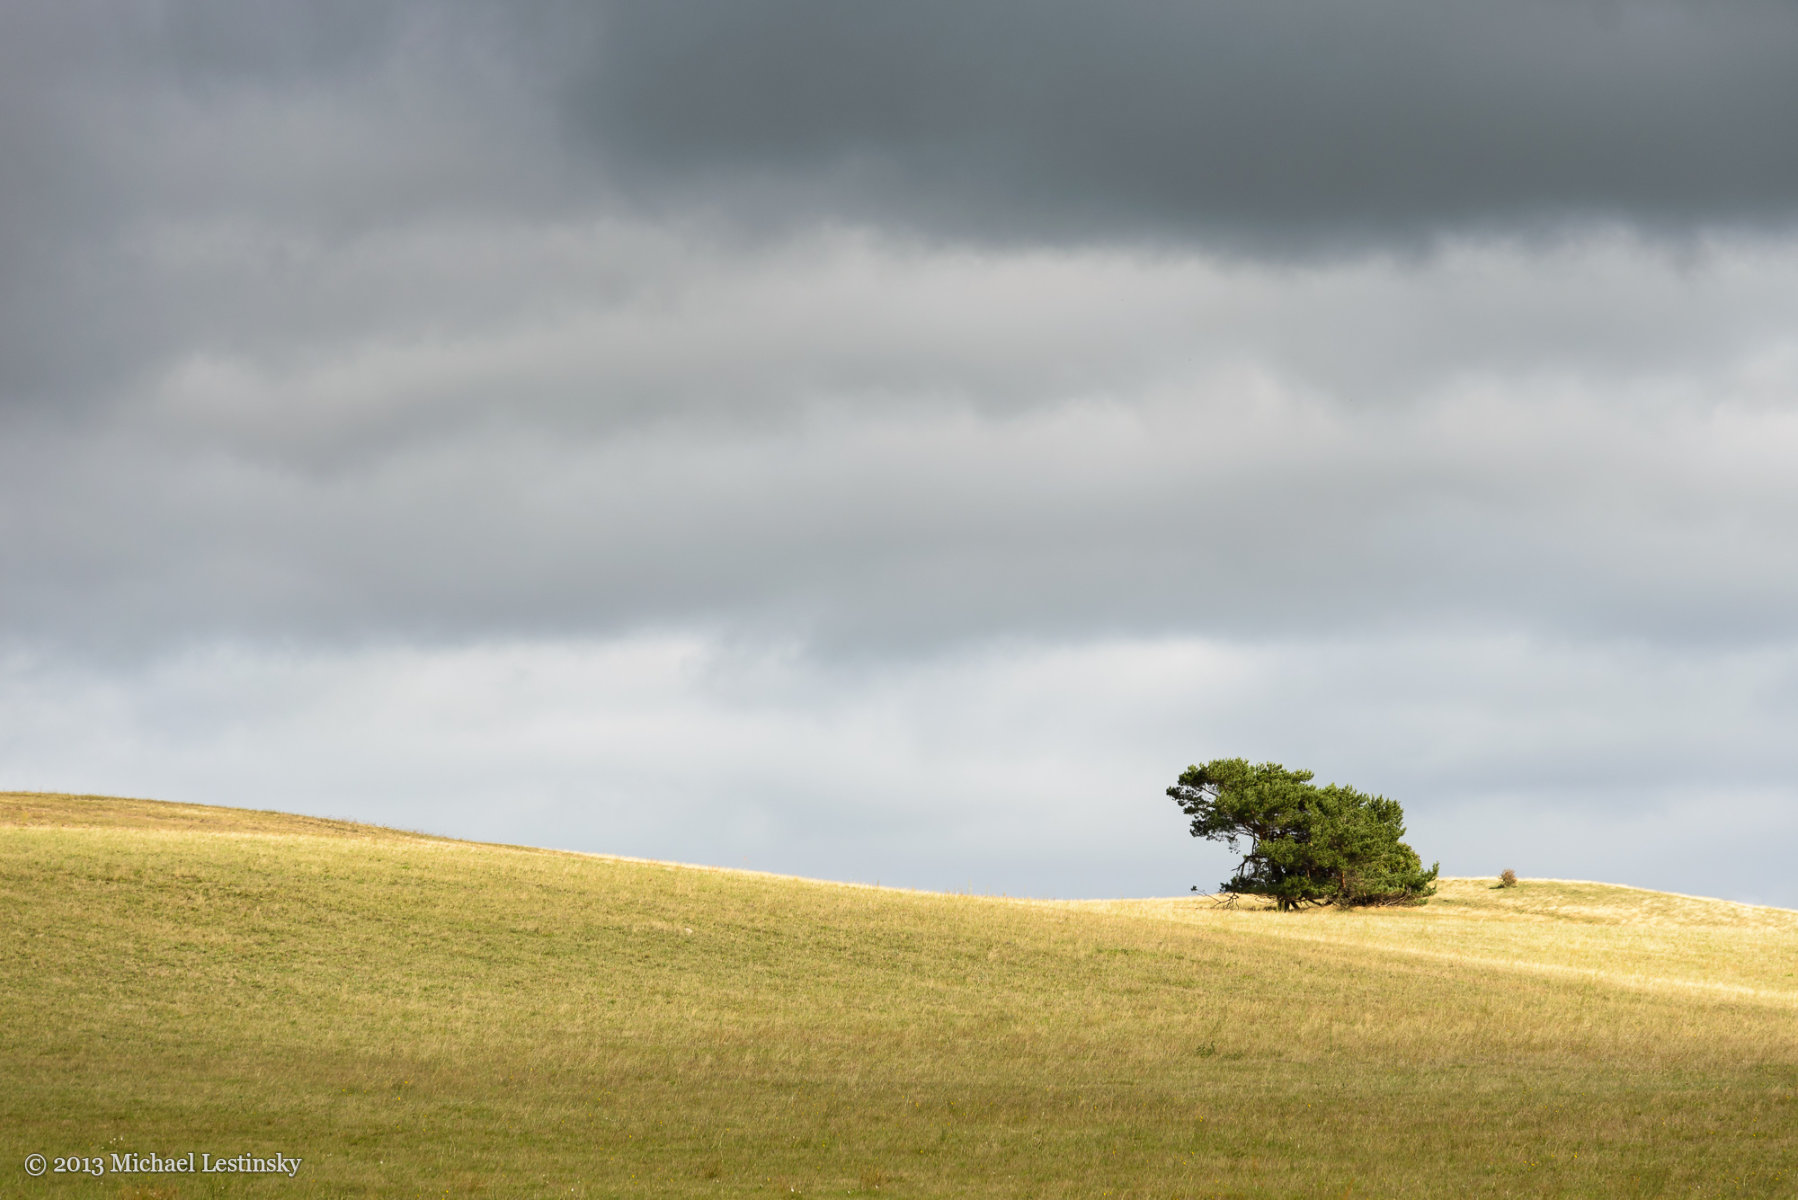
{"x":419,"y":1016}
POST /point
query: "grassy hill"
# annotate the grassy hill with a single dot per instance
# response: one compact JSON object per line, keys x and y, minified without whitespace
{"x":415,"y":1016}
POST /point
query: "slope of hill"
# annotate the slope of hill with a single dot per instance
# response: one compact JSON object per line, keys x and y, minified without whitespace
{"x":417,"y":1016}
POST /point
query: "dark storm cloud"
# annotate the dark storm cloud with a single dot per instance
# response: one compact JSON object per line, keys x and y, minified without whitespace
{"x":173,"y":170}
{"x":1279,"y":123}
{"x":146,"y":145}
{"x":331,"y":318}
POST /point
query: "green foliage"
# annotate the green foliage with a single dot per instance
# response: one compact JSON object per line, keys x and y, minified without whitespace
{"x":1307,"y":844}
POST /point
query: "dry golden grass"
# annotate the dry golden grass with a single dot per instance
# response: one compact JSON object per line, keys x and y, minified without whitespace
{"x":1624,"y":937}
{"x":419,"y":1016}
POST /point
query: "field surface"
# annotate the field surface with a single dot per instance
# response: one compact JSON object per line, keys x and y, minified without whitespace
{"x":413,"y":1016}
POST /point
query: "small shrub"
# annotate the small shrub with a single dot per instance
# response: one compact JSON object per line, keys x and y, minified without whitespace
{"x":1507,"y":878}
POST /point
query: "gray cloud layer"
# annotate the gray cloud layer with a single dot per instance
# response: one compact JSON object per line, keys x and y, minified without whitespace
{"x":357,"y":320}
{"x":147,"y":145}
{"x":1279,"y":124}
{"x":856,"y":443}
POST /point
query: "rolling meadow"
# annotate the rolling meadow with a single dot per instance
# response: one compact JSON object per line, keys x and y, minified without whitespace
{"x":416,"y":1016}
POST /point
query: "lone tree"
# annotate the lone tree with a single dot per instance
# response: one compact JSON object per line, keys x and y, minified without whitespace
{"x":1307,"y":844}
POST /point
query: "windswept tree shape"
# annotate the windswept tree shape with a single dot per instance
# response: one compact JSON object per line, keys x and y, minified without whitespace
{"x":1307,"y":844}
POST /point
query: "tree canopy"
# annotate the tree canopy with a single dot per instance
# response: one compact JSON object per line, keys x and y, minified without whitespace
{"x":1306,"y":844}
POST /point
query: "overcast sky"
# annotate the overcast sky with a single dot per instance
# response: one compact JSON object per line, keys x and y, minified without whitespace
{"x":891,"y":441}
